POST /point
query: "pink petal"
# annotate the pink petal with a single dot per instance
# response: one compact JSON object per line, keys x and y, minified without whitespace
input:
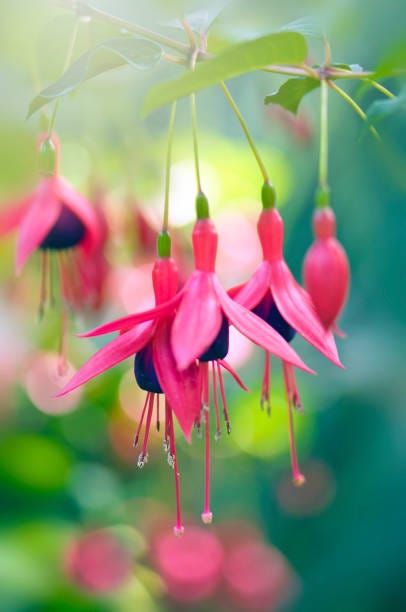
{"x":82,"y":208}
{"x":180,"y":387}
{"x":41,"y":215}
{"x":296,"y":307}
{"x":198,"y":319}
{"x":164,"y":309}
{"x":12,"y":216}
{"x":257,"y":330}
{"x":110,"y":355}
{"x":255,"y":288}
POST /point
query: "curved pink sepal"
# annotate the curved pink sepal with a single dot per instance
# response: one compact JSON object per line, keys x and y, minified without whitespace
{"x":297,"y":309}
{"x":257,"y":330}
{"x":198,"y":319}
{"x":124,"y":323}
{"x":180,"y":387}
{"x":110,"y":355}
{"x":252,"y":292}
{"x":40,"y":217}
{"x":12,"y":216}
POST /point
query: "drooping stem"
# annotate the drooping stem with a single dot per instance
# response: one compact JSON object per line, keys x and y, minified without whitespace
{"x":165,"y":221}
{"x":354,"y":105}
{"x":90,"y":11}
{"x":66,"y":66}
{"x":323,"y":158}
{"x":245,"y":130}
{"x":382,"y":89}
{"x":195,"y":141}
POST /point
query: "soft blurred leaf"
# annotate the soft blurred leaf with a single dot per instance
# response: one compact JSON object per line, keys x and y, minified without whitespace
{"x":381,"y":109}
{"x":351,"y":67}
{"x":290,"y":94}
{"x":281,"y":48}
{"x":394,"y":63}
{"x":200,"y":21}
{"x":136,"y":52}
{"x":308,"y":26}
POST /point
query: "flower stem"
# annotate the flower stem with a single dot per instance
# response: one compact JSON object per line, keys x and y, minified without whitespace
{"x":245,"y":130}
{"x":354,"y":105}
{"x":165,"y":221}
{"x":66,"y":66}
{"x":195,"y":142}
{"x":323,"y":192}
{"x":382,"y":89}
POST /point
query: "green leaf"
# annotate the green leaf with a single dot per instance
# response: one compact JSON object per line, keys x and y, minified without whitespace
{"x":279,"y":48}
{"x":394,"y":63}
{"x":350,"y":67}
{"x":139,"y":53}
{"x":290,"y":94}
{"x":307,"y":26}
{"x":382,"y":109}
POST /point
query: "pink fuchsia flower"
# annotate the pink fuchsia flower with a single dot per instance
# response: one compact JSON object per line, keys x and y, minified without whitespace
{"x":326,"y":271}
{"x":57,"y":220}
{"x":148,"y":341}
{"x":201,"y":330}
{"x":278,"y":299}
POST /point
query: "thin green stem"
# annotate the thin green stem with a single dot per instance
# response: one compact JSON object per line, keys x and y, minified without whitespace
{"x":245,"y":130}
{"x":66,"y":66}
{"x":354,"y":105}
{"x":382,"y":89}
{"x":165,"y":221}
{"x":323,"y":159}
{"x":90,"y":11}
{"x":195,"y":141}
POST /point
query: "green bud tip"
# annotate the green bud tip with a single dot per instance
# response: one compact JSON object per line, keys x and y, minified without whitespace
{"x":322,"y":197}
{"x":268,"y":195}
{"x":164,"y":245}
{"x":47,"y":158}
{"x":202,"y":206}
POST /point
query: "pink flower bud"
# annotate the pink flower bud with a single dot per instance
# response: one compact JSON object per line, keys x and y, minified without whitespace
{"x":326,"y":270}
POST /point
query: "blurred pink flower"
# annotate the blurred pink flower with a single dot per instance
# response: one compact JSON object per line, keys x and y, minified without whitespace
{"x":98,"y":562}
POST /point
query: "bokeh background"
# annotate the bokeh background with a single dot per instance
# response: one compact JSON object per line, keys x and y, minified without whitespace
{"x":81,"y":527}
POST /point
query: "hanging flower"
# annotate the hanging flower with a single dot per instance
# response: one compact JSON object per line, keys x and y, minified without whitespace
{"x":58,"y":221}
{"x":274,"y":295}
{"x":326,"y":270}
{"x":155,"y":370}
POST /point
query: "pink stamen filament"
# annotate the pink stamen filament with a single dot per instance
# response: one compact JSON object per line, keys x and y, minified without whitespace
{"x":207,"y":515}
{"x":215,"y":400}
{"x":137,"y":435}
{"x":44,"y":283}
{"x":297,"y":402}
{"x":178,"y":529}
{"x":265,"y":400}
{"x":234,"y":374}
{"x":298,"y":478}
{"x":223,"y":398}
{"x":144,"y":453}
{"x":158,"y":424}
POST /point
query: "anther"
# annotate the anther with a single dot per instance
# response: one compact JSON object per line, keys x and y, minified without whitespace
{"x":142,"y":460}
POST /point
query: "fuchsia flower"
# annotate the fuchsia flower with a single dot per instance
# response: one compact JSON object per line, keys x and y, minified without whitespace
{"x":147,"y":339}
{"x":326,"y":270}
{"x":54,"y":219}
{"x":276,"y":297}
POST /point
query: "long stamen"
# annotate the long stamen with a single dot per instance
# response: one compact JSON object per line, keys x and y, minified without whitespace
{"x":207,"y":515}
{"x":215,"y":401}
{"x":44,"y":284}
{"x":137,"y":435}
{"x":297,"y":402}
{"x":223,"y":398}
{"x":166,"y":443}
{"x":265,"y":400}
{"x":51,"y":281}
{"x":234,"y":374}
{"x":298,"y":478}
{"x":158,"y":423}
{"x":143,"y":456}
{"x":178,"y":529}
